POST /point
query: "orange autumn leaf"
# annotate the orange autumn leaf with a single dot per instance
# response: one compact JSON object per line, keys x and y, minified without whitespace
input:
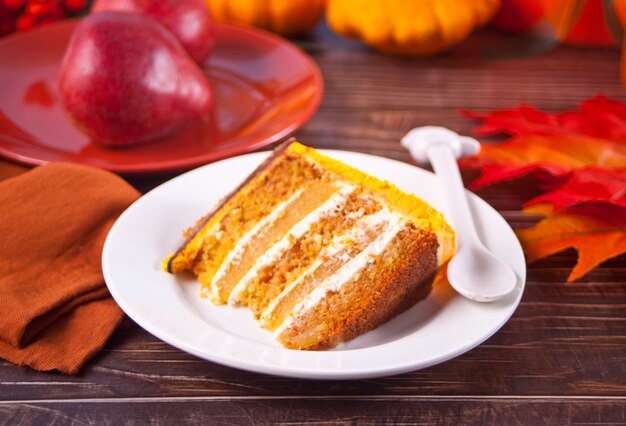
{"x":597,"y":234}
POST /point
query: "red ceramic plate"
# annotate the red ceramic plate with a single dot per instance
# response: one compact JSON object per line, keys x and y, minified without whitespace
{"x":265,"y":89}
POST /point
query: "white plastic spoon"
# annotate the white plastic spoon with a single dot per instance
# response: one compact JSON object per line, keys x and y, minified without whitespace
{"x":473,"y":271}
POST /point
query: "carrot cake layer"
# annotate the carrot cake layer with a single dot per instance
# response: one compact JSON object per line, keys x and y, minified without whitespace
{"x":319,"y":251}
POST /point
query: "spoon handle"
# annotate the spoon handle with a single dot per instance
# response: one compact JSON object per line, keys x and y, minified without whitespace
{"x":444,"y":163}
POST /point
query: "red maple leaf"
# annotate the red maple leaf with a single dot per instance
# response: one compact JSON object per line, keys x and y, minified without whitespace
{"x":590,"y":185}
{"x":598,"y":117}
{"x":581,"y":156}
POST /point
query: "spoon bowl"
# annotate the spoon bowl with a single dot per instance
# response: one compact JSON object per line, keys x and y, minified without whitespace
{"x":477,"y":274}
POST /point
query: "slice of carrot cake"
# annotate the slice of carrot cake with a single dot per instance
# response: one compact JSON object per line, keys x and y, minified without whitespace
{"x":319,"y":251}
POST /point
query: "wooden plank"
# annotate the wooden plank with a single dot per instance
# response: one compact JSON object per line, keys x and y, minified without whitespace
{"x":563,"y":340}
{"x":296,"y":410}
{"x":470,"y":76}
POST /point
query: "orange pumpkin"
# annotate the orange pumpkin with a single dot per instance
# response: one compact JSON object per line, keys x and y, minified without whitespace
{"x":409,"y":27}
{"x":285,"y":17}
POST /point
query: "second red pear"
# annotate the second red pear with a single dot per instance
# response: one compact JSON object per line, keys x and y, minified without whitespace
{"x":188,"y":20}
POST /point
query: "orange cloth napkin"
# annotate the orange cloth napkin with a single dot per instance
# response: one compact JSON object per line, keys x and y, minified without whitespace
{"x":55,"y":310}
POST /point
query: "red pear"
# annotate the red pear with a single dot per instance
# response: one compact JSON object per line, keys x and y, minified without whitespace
{"x":188,"y":20}
{"x":126,"y":80}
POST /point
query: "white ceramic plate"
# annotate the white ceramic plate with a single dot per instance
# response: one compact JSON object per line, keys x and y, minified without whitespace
{"x":442,"y":326}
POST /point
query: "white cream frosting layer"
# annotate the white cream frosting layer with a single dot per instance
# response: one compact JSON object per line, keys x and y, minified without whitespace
{"x":235,"y":255}
{"x":336,"y":248}
{"x":347,"y":272}
{"x":330,"y":207}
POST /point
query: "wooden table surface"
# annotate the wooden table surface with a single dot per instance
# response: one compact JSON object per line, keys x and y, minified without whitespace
{"x":561,"y":358}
